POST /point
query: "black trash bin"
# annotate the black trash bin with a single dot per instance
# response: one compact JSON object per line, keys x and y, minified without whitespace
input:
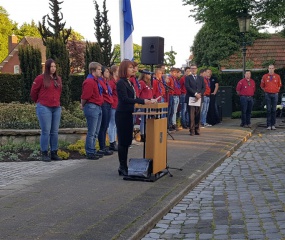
{"x":224,"y":101}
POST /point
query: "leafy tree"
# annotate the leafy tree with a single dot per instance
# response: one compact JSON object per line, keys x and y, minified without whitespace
{"x":92,"y":54}
{"x":56,"y":50}
{"x":137,"y":53}
{"x":76,"y":54}
{"x":103,"y":35}
{"x":219,"y":37}
{"x":75,"y":36}
{"x":58,"y":31}
{"x":215,"y":13}
{"x":28,"y":30}
{"x":169,"y":59}
{"x":31,"y":66}
{"x":6,"y":29}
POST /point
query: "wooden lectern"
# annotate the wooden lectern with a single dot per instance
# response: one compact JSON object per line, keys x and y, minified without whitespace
{"x":155,"y":145}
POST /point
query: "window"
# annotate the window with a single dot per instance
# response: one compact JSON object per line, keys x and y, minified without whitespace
{"x":16,"y":69}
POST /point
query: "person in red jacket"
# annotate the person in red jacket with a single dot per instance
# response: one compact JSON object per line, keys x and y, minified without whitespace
{"x":46,"y":92}
{"x":245,"y":89}
{"x":183,"y":105}
{"x":112,"y":129}
{"x":106,"y":111}
{"x":91,"y":102}
{"x":145,"y":93}
{"x":271,"y":84}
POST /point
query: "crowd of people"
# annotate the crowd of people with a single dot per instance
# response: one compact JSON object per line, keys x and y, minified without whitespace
{"x":109,"y":95}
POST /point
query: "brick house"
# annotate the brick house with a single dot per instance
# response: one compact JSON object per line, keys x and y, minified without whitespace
{"x":11,"y":63}
{"x":259,"y":55}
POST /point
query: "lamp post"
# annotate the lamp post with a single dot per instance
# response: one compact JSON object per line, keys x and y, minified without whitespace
{"x":244,"y":22}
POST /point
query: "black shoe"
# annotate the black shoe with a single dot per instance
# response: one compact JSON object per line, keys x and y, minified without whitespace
{"x":105,"y":152}
{"x":191,"y":134}
{"x":99,"y":155}
{"x":54,"y":156}
{"x":197,"y":133}
{"x":122,"y":172}
{"x":113,"y":146}
{"x":45,"y":157}
{"x":92,"y":156}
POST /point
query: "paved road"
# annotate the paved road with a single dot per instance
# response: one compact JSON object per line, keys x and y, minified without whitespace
{"x":244,"y":198}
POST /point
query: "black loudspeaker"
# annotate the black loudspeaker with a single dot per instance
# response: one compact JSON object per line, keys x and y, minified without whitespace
{"x":140,"y":167}
{"x":152,"y":50}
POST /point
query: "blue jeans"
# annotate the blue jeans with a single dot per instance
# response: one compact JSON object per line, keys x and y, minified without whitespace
{"x":112,"y":130}
{"x":49,"y":119}
{"x":106,"y":114}
{"x":93,"y":115}
{"x":271,"y":104}
{"x":184,"y":111}
{"x":246,"y":104}
{"x":204,"y":109}
{"x":170,"y":110}
{"x":175,"y":107}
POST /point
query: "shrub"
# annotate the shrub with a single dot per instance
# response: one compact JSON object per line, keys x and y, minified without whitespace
{"x":254,"y":114}
{"x":23,"y":116}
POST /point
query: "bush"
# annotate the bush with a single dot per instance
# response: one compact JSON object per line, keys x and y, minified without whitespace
{"x":254,"y":114}
{"x":23,"y":116}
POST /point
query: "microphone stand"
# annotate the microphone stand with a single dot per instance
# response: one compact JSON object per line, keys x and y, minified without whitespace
{"x":167,"y":88}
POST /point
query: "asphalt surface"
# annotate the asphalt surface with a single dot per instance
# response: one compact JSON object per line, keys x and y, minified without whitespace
{"x":83,"y":199}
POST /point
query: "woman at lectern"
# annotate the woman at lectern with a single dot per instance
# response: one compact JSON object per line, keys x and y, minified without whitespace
{"x":123,"y":117}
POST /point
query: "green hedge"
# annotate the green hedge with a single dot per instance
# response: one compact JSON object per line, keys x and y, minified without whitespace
{"x":76,"y":87}
{"x":10,"y":88}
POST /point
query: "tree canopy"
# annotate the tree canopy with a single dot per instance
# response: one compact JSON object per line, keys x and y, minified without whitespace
{"x":219,"y":37}
{"x":57,"y":30}
{"x":6,"y":29}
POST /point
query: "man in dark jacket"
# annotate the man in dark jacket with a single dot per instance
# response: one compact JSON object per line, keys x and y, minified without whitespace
{"x":195,"y":88}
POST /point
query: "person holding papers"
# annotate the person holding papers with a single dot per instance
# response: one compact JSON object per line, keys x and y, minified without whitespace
{"x":195,"y":88}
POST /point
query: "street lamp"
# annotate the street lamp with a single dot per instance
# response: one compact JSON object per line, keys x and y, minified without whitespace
{"x":244,"y":22}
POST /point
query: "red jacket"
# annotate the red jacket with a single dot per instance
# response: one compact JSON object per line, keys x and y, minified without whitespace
{"x":271,"y":83}
{"x":113,"y":85}
{"x":207,"y":87}
{"x":91,"y":92}
{"x":50,"y":96}
{"x":158,"y":89}
{"x":171,"y":84}
{"x":107,"y":93}
{"x":146,"y":91}
{"x":245,"y":87}
{"x":136,"y":85}
{"x":182,"y":84}
{"x":177,"y":87}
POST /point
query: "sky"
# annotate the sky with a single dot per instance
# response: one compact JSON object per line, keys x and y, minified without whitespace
{"x":163,"y":18}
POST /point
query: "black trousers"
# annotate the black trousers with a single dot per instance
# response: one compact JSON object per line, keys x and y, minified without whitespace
{"x":125,"y":126}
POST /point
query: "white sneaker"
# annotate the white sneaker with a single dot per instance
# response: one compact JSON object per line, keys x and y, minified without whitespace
{"x":273,"y":128}
{"x":208,"y":125}
{"x":268,"y":128}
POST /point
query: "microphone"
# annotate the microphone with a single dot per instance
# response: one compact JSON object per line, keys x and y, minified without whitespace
{"x":146,"y":72}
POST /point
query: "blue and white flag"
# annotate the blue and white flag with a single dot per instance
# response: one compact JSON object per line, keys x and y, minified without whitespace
{"x":127,"y":28}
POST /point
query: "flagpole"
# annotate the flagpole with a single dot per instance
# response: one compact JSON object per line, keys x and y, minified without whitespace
{"x":121,"y":16}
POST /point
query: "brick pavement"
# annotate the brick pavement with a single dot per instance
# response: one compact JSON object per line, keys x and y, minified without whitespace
{"x":244,"y":198}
